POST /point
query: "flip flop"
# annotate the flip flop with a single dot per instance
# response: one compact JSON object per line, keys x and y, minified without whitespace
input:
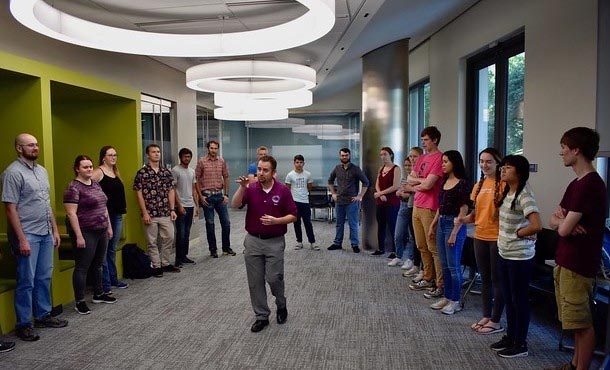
{"x":477,"y":325}
{"x":487,"y":329}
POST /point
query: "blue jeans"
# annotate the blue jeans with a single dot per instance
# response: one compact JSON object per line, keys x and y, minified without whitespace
{"x":33,"y":293}
{"x":109,"y":273}
{"x":303,"y":213}
{"x":183,"y":234}
{"x":450,"y":256}
{"x":515,"y":276}
{"x":404,"y":241}
{"x":215,"y":203}
{"x":386,"y":219}
{"x":351,"y":211}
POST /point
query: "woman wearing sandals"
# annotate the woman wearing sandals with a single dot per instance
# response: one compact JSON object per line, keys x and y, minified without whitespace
{"x":485,"y":197}
{"x":519,"y":223}
{"x":449,"y":232}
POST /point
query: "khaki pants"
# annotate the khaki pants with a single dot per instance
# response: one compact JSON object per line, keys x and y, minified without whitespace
{"x":163,"y":228}
{"x":422,"y":218}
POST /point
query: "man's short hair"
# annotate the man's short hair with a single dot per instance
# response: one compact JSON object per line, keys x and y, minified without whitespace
{"x":345,"y":150}
{"x":184,"y":151}
{"x":585,"y":139}
{"x":212,"y":142}
{"x":270,"y":159}
{"x":298,"y":157}
{"x":153,"y":145}
{"x":262,"y":147}
{"x":433,"y":133}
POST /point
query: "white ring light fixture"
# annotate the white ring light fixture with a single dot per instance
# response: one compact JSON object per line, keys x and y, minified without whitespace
{"x":290,"y":99}
{"x":43,"y":18}
{"x":237,"y":114}
{"x":250,"y":77}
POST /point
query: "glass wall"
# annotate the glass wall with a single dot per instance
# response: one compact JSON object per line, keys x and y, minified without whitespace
{"x":419,"y":110}
{"x":158,"y":116}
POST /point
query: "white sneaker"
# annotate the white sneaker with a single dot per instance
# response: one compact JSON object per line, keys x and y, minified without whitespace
{"x":395,"y":262}
{"x":314,"y":246}
{"x":407,"y":265}
{"x":419,"y":277}
{"x":298,"y":246}
{"x":452,"y":307}
{"x":411,"y":272}
{"x":440,"y":304}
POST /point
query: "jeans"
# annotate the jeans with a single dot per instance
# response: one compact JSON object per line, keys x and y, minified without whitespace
{"x":351,"y":211}
{"x":304,"y":213}
{"x":515,"y":278}
{"x":92,"y":256}
{"x":183,"y":234}
{"x":386,"y":219}
{"x":486,"y":254}
{"x":215,"y":203}
{"x":450,"y":256}
{"x":33,"y":292}
{"x":109,"y":273}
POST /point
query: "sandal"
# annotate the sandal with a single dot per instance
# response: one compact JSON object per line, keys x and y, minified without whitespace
{"x":488,"y":329}
{"x":477,"y":325}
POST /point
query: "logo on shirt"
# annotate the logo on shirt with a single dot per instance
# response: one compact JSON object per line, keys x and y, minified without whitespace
{"x":275,"y":199}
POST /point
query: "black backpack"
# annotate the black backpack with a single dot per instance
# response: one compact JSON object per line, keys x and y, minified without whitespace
{"x":136,"y":263}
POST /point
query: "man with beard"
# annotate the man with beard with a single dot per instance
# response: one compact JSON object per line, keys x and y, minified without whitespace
{"x":186,"y":204}
{"x":32,"y":234}
{"x":270,"y":210}
{"x":347,"y":198}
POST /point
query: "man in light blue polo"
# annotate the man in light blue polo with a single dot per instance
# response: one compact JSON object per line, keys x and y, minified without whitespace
{"x":32,"y":234}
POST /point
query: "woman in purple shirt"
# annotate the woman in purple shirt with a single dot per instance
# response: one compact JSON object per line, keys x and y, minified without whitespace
{"x":89,"y":228}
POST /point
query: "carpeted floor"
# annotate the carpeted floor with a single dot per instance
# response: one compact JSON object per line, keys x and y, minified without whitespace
{"x":346,"y":311}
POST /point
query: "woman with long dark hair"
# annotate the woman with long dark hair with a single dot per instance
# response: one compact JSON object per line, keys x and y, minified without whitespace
{"x":108,"y":176}
{"x":485,"y":196}
{"x":449,"y":232}
{"x":89,"y":229}
{"x":519,"y":223}
{"x":388,"y":182}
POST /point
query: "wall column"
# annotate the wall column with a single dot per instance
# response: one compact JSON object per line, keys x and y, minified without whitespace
{"x":385,"y":120}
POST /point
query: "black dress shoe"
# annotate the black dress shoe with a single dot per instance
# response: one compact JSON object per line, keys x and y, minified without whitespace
{"x":187,"y":260}
{"x":214,"y":254}
{"x":282,"y":315}
{"x":334,"y":247}
{"x":356,"y":248}
{"x":259,"y":325}
{"x":377,"y":253}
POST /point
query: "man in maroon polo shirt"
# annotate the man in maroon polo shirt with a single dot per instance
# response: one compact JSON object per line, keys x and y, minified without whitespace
{"x":270,"y":210}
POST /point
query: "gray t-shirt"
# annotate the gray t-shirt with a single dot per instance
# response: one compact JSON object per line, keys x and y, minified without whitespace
{"x":28,"y":187}
{"x":298,"y":185}
{"x":184,"y":178}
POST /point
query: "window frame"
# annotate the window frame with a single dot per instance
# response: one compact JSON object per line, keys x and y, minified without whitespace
{"x":421,"y":123}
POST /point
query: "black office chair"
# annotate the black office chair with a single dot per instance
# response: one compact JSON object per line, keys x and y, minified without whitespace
{"x":319,"y":198}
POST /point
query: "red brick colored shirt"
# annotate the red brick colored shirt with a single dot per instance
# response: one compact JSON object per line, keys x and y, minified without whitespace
{"x":277,"y":203}
{"x":155,"y":187}
{"x":211,"y":173}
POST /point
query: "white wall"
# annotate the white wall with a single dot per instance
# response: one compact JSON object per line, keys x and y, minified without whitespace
{"x":560,"y":83}
{"x":138,"y":72}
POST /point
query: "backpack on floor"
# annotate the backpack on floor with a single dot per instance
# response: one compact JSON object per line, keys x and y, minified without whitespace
{"x":136,"y":263}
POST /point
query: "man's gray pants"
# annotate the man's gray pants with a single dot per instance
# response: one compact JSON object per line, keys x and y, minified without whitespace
{"x":265,"y":262}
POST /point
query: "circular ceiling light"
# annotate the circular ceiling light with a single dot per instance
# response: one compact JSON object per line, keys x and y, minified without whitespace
{"x":236,"y":114}
{"x":43,"y":18}
{"x":318,"y":129}
{"x":291,"y":99}
{"x":250,"y":77}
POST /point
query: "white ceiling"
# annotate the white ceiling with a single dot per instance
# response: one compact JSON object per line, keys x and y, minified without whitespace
{"x":361,"y":26}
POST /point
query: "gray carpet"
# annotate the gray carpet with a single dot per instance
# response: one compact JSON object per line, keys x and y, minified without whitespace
{"x":346,"y":311}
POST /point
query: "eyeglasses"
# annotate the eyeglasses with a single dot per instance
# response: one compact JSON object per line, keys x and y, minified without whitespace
{"x":30,"y":145}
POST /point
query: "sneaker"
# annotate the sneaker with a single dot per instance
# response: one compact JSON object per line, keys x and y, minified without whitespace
{"x":314,"y":247}
{"x":27,"y":334}
{"x":452,"y":307}
{"x":108,"y":292}
{"x":407,"y":265}
{"x":228,"y":252}
{"x":434,"y":293}
{"x":391,"y":256}
{"x":421,"y":285}
{"x":377,"y":253}
{"x":214,"y":254}
{"x":395,"y":262}
{"x":356,"y":248}
{"x":178,"y":265}
{"x":7,"y":346}
{"x":171,"y":268}
{"x":103,"y":299}
{"x":157,"y":272}
{"x":334,"y":247}
{"x":298,"y":246}
{"x":503,"y":343}
{"x":187,"y":260}
{"x":82,"y":308}
{"x":516,"y":350}
{"x":50,"y":322}
{"x":419,"y":277}
{"x":440,"y":304}
{"x":413,"y":271}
